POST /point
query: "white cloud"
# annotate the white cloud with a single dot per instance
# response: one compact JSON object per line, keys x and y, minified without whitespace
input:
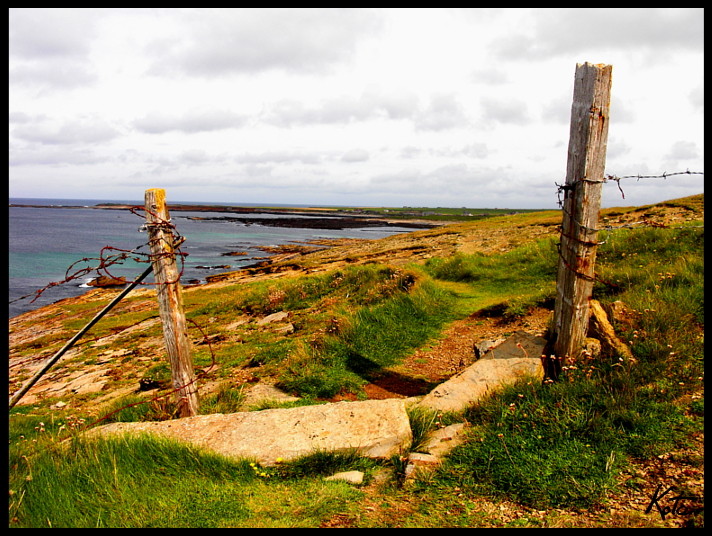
{"x":217,"y":42}
{"x":189,"y":122}
{"x":683,"y":150}
{"x":421,"y":106}
{"x":443,"y":112}
{"x":561,"y":31}
{"x":355,"y":155}
{"x":90,"y":132}
{"x":511,"y":111}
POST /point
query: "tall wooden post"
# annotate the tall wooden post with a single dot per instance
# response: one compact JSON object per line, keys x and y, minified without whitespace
{"x":584,"y":178}
{"x":170,"y":301}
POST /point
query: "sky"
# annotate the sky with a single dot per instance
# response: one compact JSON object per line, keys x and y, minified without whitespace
{"x":384,"y":107}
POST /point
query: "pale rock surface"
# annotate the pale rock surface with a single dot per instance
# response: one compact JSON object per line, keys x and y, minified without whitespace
{"x":441,"y":441}
{"x":375,"y":428}
{"x":518,"y":357}
{"x":352,"y":477}
{"x":264,"y":392}
{"x":281,"y":316}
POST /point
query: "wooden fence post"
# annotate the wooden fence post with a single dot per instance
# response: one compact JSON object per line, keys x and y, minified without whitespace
{"x":582,"y":200}
{"x":170,"y":301}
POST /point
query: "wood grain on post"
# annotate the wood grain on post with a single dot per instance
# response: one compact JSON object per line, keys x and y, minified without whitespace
{"x":170,"y":301}
{"x":579,"y":234}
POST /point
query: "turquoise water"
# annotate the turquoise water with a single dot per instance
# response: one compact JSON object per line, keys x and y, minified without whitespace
{"x":45,"y":242}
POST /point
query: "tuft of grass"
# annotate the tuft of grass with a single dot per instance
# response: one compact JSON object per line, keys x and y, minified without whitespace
{"x":324,"y":463}
{"x":141,"y":482}
{"x":226,"y":399}
{"x":514,"y":281}
{"x":365,"y":341}
{"x":136,"y":408}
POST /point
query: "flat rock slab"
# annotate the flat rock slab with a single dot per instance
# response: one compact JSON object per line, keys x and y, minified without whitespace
{"x":518,"y":344}
{"x":442,"y":440}
{"x":375,"y":428}
{"x":517,"y":357}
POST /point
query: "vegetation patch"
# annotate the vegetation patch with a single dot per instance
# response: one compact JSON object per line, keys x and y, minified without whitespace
{"x":538,"y":449}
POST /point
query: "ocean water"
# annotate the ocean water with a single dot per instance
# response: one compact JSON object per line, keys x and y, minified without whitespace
{"x":48,"y":243}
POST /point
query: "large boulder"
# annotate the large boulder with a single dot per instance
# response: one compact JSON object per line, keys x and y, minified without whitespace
{"x":106,"y":281}
{"x":518,"y":357}
{"x":374,"y":428}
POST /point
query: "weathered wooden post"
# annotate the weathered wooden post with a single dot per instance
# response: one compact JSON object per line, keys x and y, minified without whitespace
{"x":582,"y":200}
{"x":170,"y":301}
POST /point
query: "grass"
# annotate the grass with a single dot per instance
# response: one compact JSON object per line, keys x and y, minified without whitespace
{"x":544,"y":446}
{"x":143,"y":483}
{"x":511,"y":282}
{"x":563,"y":445}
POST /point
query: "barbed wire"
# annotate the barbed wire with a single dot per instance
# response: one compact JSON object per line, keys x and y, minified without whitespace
{"x":110,"y":256}
{"x":594,"y":243}
{"x":173,"y":240}
{"x":565,"y":188}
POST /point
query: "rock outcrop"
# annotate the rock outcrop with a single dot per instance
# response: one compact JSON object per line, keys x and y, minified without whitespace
{"x":106,"y":281}
{"x":374,"y":428}
{"x":519,"y":356}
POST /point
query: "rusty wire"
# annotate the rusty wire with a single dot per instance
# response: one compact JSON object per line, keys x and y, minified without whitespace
{"x":110,"y":256}
{"x":566,"y":188}
{"x":117,"y":256}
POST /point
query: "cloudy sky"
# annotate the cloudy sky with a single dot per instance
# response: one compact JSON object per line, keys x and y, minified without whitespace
{"x":383,"y":107}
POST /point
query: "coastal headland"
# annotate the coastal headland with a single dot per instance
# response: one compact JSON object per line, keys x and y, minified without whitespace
{"x":305,"y":218}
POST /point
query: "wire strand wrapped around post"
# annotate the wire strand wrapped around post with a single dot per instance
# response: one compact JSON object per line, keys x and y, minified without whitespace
{"x":170,"y":301}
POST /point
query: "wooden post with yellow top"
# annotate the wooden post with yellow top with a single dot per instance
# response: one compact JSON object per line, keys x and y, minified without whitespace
{"x":170,"y":301}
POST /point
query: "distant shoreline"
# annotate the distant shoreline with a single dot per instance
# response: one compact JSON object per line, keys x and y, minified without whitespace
{"x":318,"y":218}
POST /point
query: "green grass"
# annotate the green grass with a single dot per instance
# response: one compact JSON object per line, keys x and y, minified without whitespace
{"x":562,"y":445}
{"x":508,"y":284}
{"x":543,"y":445}
{"x":365,"y":341}
{"x":144,"y":483}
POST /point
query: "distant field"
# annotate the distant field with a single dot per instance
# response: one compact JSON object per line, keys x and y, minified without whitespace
{"x":439,"y":213}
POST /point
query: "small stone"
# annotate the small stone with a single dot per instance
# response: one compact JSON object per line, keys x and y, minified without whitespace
{"x":352,"y":477}
{"x":443,"y":440}
{"x":274,"y":317}
{"x":419,"y":459}
{"x":286,"y":329}
{"x":106,"y":281}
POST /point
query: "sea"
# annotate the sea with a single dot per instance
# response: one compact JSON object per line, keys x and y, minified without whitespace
{"x":48,"y":241}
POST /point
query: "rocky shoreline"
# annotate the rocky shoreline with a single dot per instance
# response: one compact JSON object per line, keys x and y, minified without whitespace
{"x":303,"y":218}
{"x":312,"y":222}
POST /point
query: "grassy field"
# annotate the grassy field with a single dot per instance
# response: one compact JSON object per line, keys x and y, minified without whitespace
{"x":537,"y":455}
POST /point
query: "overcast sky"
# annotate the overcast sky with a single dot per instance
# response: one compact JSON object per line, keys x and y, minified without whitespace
{"x":361,"y":107}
